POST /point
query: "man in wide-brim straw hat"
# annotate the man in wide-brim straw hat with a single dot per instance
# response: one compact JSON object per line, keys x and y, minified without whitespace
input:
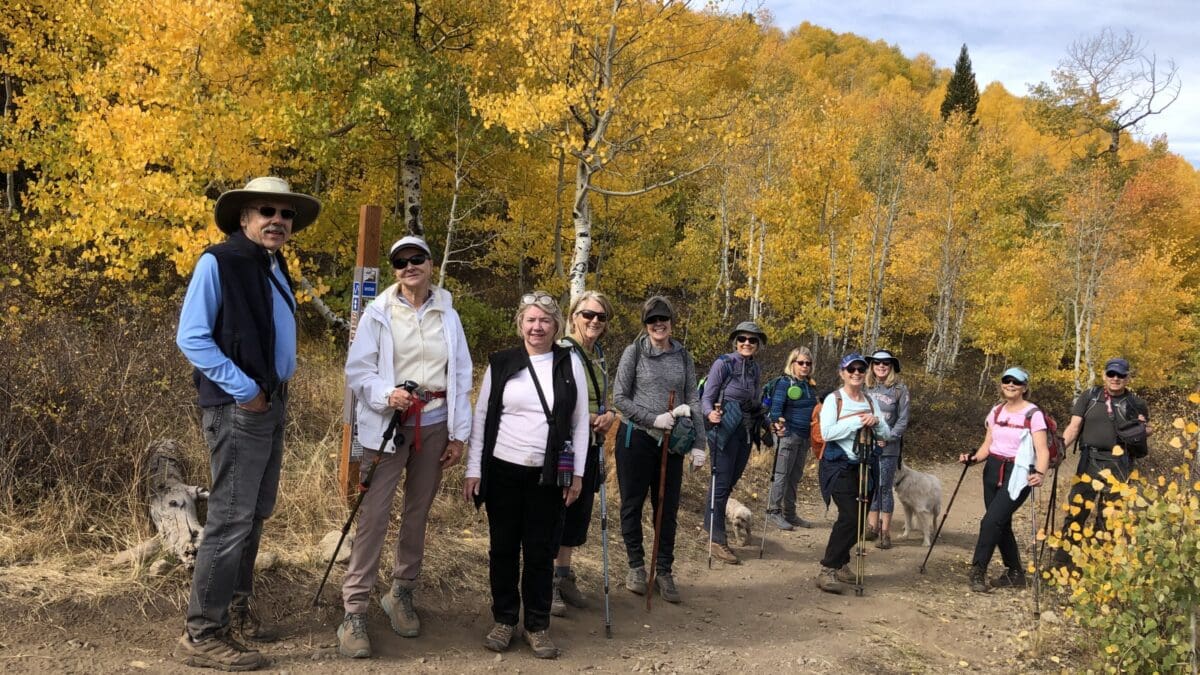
{"x":238,"y":329}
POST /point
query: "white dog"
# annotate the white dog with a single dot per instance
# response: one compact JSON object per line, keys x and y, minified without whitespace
{"x":920,"y":494}
{"x":737,"y":519}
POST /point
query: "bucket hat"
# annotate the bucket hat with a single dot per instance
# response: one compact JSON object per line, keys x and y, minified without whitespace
{"x":884,"y":355}
{"x":749,"y":327}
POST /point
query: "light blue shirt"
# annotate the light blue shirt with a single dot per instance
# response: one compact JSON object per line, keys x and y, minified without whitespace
{"x":198,"y":318}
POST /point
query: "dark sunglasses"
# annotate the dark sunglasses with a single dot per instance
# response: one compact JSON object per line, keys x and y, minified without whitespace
{"x":856,"y":369}
{"x":418,"y":259}
{"x":1009,"y":379}
{"x":269,"y":212}
{"x":802,"y":363}
{"x":1115,"y":374}
{"x":747,"y":338}
{"x":588,"y":315}
{"x":657,"y":319}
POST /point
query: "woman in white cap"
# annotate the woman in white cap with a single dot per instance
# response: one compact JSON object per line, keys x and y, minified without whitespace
{"x":410,"y":333}
{"x":1008,"y":476}
{"x":891,"y":399}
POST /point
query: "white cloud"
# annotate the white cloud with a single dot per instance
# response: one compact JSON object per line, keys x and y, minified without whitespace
{"x":1019,"y":42}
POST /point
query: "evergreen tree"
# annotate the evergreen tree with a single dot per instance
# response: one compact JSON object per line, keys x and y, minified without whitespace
{"x":961,"y":93}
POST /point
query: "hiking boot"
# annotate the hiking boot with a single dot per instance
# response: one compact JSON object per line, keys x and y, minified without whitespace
{"x":500,"y":637}
{"x":779,"y":521}
{"x":557,"y":606}
{"x":885,"y":541}
{"x":797,"y":521}
{"x":1010,"y":578}
{"x":541,"y":644}
{"x":636,"y":580}
{"x":872,"y":534}
{"x":220,"y":652}
{"x":828,"y":582}
{"x":665,"y":583}
{"x":570,"y":591}
{"x":398,"y":605}
{"x":723,"y":553}
{"x":978,"y":579}
{"x":845,"y":576}
{"x":352,"y":637}
{"x":246,"y":625}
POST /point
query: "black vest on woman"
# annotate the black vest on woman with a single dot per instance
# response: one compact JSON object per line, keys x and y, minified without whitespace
{"x":507,"y":363}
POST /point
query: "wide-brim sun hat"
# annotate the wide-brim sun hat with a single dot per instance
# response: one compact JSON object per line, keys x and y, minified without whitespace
{"x":884,"y":356}
{"x":228,"y":210}
{"x":751,"y":328}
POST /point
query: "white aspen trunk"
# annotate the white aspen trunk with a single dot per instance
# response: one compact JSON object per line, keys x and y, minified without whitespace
{"x":724,"y":281}
{"x":581,"y":217}
{"x":759,"y":243}
{"x":10,"y":188}
{"x":411,"y":181}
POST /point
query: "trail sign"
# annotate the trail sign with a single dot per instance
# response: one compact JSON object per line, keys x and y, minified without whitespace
{"x":366,"y":281}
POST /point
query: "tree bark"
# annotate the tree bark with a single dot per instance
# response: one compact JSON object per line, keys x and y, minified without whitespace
{"x":411,"y":181}
{"x":173,"y":503}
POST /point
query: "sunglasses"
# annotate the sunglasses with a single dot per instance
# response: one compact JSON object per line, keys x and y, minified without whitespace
{"x":747,"y":338}
{"x":270,"y":211}
{"x":1115,"y":375}
{"x":418,"y":259}
{"x":657,"y":319}
{"x":802,"y":363}
{"x":1009,"y":379}
{"x":539,"y":298}
{"x":858,"y":370}
{"x":588,"y":315}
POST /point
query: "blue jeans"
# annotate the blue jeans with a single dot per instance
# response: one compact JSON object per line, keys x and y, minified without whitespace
{"x":246,"y":453}
{"x":728,"y":463}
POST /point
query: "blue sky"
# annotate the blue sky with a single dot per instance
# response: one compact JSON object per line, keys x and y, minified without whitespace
{"x":1018,"y":42}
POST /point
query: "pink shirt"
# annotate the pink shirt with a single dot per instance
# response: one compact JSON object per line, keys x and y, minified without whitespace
{"x":1006,"y":436}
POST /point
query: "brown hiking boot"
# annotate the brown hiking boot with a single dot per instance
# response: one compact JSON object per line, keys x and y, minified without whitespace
{"x":569,"y":591}
{"x":665,"y":583}
{"x":352,"y":637}
{"x":636,"y":580}
{"x":541,"y":644}
{"x":220,"y":652}
{"x":245,"y":624}
{"x":828,"y":582}
{"x":1010,"y":578}
{"x":723,"y":553}
{"x":845,"y":576}
{"x":978,"y":579}
{"x":398,"y":605}
{"x":885,"y":541}
{"x":500,"y":637}
{"x":871,"y":534}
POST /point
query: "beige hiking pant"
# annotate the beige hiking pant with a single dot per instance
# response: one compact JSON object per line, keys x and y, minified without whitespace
{"x":422,"y":476}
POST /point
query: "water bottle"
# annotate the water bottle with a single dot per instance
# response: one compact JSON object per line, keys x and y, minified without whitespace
{"x":566,"y":465}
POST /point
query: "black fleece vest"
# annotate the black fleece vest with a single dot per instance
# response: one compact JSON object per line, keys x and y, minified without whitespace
{"x":507,"y":363}
{"x":245,"y":327}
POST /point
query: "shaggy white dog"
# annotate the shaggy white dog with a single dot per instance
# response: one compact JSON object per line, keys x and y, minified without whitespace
{"x":921,"y":495}
{"x":737,"y":521}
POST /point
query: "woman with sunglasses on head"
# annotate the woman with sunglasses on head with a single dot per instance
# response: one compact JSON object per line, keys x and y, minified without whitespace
{"x":891,"y":399}
{"x":792,"y":401}
{"x":651,"y":368}
{"x":526,"y":464}
{"x":843,"y":414}
{"x":587,"y":323}
{"x":410,"y":332}
{"x":1008,"y":476}
{"x":732,"y":404}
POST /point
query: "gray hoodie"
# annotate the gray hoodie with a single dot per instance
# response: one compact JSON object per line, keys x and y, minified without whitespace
{"x":641,"y":389}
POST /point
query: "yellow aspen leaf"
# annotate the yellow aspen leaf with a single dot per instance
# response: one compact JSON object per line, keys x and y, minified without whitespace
{"x":1178,"y":423}
{"x":1175,"y":442}
{"x":1117,"y":451}
{"x":1192,"y":428}
{"x":1194,"y":397}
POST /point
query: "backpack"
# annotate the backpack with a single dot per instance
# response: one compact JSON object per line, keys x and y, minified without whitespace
{"x":724,"y":358}
{"x":1053,"y":440}
{"x":816,"y":440}
{"x":768,"y":389}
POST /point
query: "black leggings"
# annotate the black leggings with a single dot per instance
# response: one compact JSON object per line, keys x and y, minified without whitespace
{"x":996,"y":528}
{"x":638,"y":465}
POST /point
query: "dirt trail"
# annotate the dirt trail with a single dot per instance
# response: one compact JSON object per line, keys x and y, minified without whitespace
{"x":764,"y":615}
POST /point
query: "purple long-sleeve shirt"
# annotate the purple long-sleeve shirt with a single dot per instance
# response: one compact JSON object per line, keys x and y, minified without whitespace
{"x":739,"y":376}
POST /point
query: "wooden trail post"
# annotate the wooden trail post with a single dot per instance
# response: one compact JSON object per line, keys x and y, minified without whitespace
{"x":366,"y":287}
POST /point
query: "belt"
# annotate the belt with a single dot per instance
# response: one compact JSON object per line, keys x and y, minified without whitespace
{"x":1096,"y":448}
{"x":420,"y":400}
{"x":1003,"y":461}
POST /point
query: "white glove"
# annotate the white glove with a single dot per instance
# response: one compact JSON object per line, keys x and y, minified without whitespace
{"x":698,"y":457}
{"x":682,"y":410}
{"x":664,"y":421}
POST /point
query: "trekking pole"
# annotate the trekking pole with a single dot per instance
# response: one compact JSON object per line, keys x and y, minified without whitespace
{"x":363,"y":487}
{"x":604,"y":543}
{"x":860,"y":567}
{"x":1049,"y":526}
{"x":658,"y":514}
{"x":762,"y":542}
{"x":966,"y":465}
{"x":1037,"y":570}
{"x":712,"y":486}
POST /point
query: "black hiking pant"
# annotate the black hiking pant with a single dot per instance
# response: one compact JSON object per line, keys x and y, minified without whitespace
{"x":844,"y":534}
{"x":1092,"y":462}
{"x":996,"y":528}
{"x":638,"y":465}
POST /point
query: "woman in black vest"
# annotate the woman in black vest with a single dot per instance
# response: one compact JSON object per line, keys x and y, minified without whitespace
{"x":526,"y":462}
